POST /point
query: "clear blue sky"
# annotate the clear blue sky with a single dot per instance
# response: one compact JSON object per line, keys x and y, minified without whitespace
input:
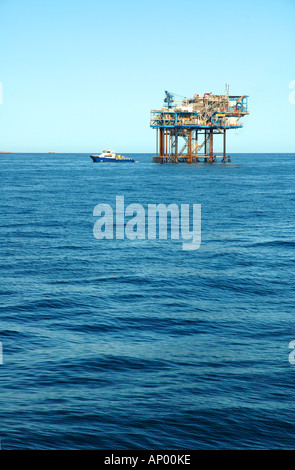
{"x":81,"y":75}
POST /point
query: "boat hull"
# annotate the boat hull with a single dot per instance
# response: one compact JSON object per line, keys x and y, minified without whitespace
{"x":97,"y":158}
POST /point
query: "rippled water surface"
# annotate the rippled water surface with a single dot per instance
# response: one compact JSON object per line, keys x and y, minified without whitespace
{"x":139,"y":344}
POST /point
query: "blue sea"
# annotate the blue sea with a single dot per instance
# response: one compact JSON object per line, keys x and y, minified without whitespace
{"x":139,"y":344}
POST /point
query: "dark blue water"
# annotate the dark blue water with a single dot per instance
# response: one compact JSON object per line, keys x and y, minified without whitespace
{"x":121,"y":344}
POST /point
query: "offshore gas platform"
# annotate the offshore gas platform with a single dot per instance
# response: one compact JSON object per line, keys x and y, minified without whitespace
{"x":186,"y":127}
